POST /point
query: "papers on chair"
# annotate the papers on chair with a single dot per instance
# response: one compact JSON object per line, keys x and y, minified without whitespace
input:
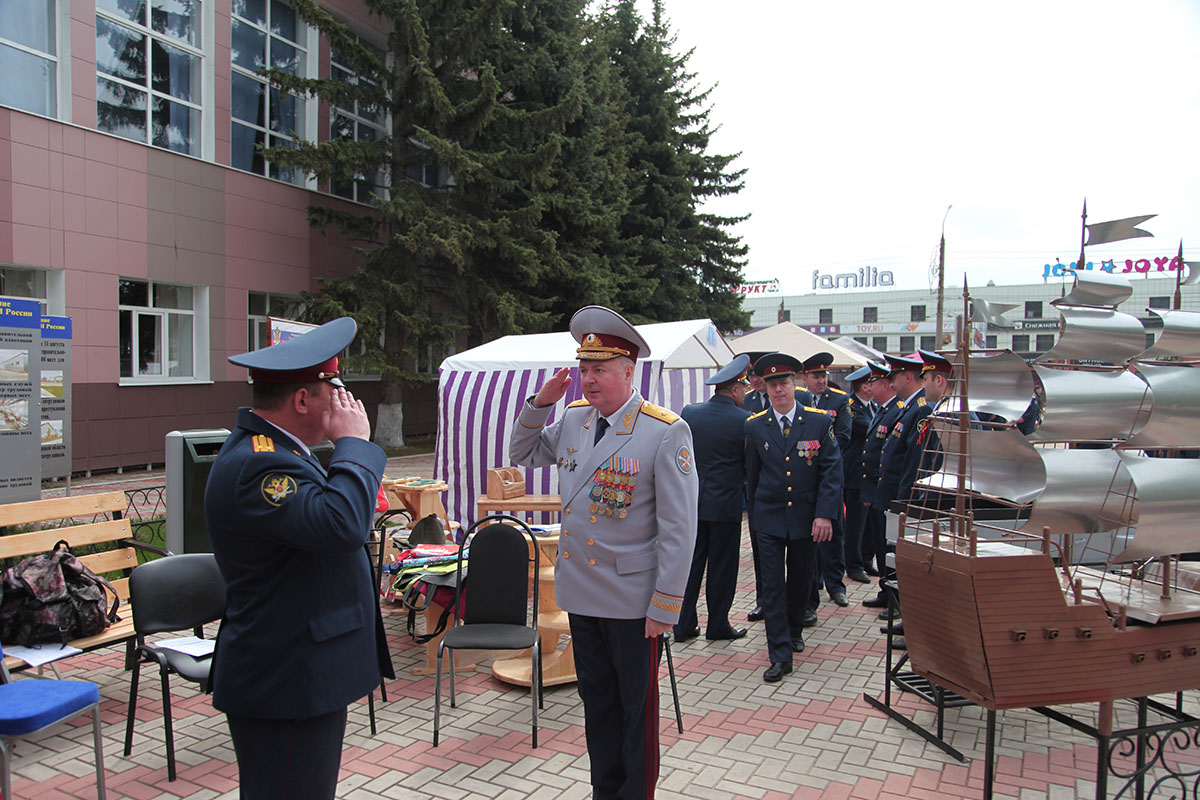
{"x":546,"y":530}
{"x":44,"y":654}
{"x":193,"y":646}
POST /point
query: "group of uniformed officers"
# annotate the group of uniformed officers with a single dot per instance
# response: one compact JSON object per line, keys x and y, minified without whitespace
{"x":820,"y":468}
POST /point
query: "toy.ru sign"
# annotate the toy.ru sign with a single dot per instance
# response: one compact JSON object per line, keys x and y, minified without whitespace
{"x":1128,"y":265}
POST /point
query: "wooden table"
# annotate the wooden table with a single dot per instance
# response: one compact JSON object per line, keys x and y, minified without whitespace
{"x":526,"y":502}
{"x":557,"y":667}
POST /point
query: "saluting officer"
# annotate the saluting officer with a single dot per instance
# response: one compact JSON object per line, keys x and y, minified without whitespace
{"x":302,"y":636}
{"x":627,"y":476}
{"x":852,"y":473}
{"x":718,"y":430}
{"x":794,"y":490}
{"x":831,"y":565}
{"x":888,"y":408}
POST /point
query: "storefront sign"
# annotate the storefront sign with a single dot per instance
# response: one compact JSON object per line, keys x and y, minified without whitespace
{"x":823,"y":330}
{"x":759,"y":287}
{"x":1117,"y":267}
{"x":864,"y":278}
{"x":1035,"y":324}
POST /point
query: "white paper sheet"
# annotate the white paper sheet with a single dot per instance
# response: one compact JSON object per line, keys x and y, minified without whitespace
{"x":37,"y":656}
{"x":190,"y":645}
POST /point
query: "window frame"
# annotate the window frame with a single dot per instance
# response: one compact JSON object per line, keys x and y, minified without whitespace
{"x":1040,"y":340}
{"x":1020,"y":339}
{"x":198,"y":314}
{"x":60,"y":92}
{"x":879,"y":343}
{"x":1033,"y":309}
{"x":915,"y":315}
{"x":905,"y":349}
{"x":200,"y":140}
{"x":824,"y":316}
{"x":1159,"y":303}
{"x":870,"y":315}
{"x":358,"y":119}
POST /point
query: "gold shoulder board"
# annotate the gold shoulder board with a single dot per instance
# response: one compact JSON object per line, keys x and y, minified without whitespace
{"x":659,"y":412}
{"x":899,"y":404}
{"x":836,"y":390}
{"x":921,"y":402}
{"x":756,"y":416}
{"x":816,"y":410}
{"x":581,"y":402}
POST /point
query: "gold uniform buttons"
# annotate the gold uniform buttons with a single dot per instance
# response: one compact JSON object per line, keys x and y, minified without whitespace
{"x":567,"y":512}
{"x":789,"y":474}
{"x":787,"y":458}
{"x":565,"y":534}
{"x":568,"y":555}
{"x":592,"y":518}
{"x":591,"y":562}
{"x":591,"y":541}
{"x":789,"y":488}
{"x":789,"y":503}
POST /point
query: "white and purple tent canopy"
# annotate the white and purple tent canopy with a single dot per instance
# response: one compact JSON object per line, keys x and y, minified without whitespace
{"x":480,"y":393}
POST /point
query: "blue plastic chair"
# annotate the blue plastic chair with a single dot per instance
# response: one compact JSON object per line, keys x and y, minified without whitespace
{"x":32,"y":705}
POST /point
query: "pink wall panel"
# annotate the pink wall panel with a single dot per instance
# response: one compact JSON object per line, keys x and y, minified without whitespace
{"x":30,"y":164}
{"x":101,"y":215}
{"x":74,"y":213}
{"x":30,"y":244}
{"x":31,"y":205}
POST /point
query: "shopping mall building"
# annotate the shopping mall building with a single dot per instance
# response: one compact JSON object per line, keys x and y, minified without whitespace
{"x":901,"y":320}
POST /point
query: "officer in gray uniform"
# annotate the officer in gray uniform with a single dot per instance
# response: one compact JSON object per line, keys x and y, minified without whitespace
{"x":627,"y":476}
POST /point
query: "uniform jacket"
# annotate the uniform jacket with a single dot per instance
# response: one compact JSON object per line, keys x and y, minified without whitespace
{"x":892,"y":463}
{"x":302,"y":635}
{"x":837,"y":403}
{"x":719,"y":431}
{"x":755,"y":402}
{"x":852,"y":457}
{"x":614,"y":566}
{"x":877,"y":436}
{"x":788,"y":483}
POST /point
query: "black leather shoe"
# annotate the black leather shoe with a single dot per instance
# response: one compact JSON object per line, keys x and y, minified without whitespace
{"x":756,"y":614}
{"x":874,"y":573}
{"x":839,"y":599}
{"x":692,"y":634}
{"x":728,"y":633}
{"x":810,"y":619}
{"x":890,"y":613}
{"x":798,"y":645}
{"x":859,"y":575}
{"x":898,"y":643}
{"x":776,"y":671}
{"x":897,"y":629}
{"x":879,"y":601}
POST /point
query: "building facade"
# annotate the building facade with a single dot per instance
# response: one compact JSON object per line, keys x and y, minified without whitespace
{"x":902,"y":320}
{"x":133,"y":199}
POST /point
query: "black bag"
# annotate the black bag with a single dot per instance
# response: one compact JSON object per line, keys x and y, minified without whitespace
{"x":53,"y":598}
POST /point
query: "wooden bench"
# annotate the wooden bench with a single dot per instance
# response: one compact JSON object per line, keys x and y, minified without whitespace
{"x":121,"y":559}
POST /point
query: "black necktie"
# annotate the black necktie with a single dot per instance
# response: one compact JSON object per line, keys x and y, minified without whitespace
{"x":787,"y":428}
{"x":601,"y":427}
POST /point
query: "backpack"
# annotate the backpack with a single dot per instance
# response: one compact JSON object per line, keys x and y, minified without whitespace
{"x":53,"y":598}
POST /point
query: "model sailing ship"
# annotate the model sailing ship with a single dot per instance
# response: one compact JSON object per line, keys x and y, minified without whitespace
{"x":1041,"y":570}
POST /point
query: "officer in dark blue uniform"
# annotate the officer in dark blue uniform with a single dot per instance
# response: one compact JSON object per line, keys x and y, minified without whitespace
{"x":859,"y":404}
{"x":925,"y":456}
{"x":754,"y":402}
{"x":718,"y":436}
{"x":794,"y":489}
{"x":831,"y":565}
{"x":302,"y":636}
{"x":888,"y":408}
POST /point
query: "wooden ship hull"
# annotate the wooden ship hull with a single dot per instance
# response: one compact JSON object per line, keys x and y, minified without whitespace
{"x":997,"y":628}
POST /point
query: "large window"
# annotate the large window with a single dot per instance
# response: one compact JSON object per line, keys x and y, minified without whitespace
{"x":1044,"y":342}
{"x":1160,"y":302}
{"x":906,"y":345}
{"x":825,"y":316}
{"x":870,"y":314}
{"x":29,"y":284}
{"x":917,"y":314}
{"x":879,"y":343}
{"x":929,"y":343}
{"x":266,"y":34}
{"x":148,"y":65}
{"x":1033,"y":309}
{"x":358,"y":123}
{"x":158,"y":330}
{"x":1020,"y":342}
{"x":28,"y":56}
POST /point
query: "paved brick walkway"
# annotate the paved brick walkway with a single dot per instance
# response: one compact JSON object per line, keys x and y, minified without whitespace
{"x":810,"y":736}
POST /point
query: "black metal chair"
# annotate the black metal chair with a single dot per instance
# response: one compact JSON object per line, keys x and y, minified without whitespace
{"x":503,"y":559}
{"x":175,"y":593}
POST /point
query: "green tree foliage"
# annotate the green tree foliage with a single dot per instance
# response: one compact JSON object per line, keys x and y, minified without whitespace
{"x":529,"y":169}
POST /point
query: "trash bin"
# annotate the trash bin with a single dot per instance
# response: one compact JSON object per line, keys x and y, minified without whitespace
{"x":190,"y":456}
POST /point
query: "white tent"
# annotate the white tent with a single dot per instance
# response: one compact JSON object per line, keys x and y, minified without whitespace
{"x":787,"y":337}
{"x":480,"y":392}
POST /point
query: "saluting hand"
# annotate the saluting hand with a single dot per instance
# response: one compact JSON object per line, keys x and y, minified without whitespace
{"x":553,"y":390}
{"x":822,"y":530}
{"x":347,"y":417}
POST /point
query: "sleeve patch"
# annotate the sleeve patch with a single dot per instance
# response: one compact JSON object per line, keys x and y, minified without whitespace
{"x":683,"y":459}
{"x":262,"y":444}
{"x":277,"y":488}
{"x":667,"y":602}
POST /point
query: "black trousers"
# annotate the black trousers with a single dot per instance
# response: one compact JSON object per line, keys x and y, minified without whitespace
{"x":288,"y":759}
{"x":830,"y":569}
{"x":855,"y":553}
{"x":788,"y":573}
{"x":758,"y":594}
{"x":717,"y":546}
{"x":617,"y":668}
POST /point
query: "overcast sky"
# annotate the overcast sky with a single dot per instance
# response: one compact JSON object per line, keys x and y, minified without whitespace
{"x":860,"y":122}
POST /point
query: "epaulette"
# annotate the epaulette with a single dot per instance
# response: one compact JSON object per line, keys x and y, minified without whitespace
{"x":580,"y":403}
{"x":756,"y":416}
{"x":921,"y":402}
{"x":262,"y":444}
{"x":836,"y":390}
{"x":659,"y":413}
{"x":816,"y":410}
{"x":899,"y":404}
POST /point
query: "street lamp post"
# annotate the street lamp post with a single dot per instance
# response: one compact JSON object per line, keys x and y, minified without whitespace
{"x":941,"y":280}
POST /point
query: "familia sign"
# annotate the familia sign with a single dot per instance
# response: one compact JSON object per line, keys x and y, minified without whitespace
{"x":864,"y":278}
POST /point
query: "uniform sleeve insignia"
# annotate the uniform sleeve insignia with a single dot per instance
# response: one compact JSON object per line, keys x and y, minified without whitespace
{"x":830,"y":432}
{"x":816,"y":410}
{"x":921,"y":402}
{"x":262,"y":444}
{"x":580,"y":403}
{"x":683,"y":459}
{"x":277,"y":488}
{"x":659,"y":413}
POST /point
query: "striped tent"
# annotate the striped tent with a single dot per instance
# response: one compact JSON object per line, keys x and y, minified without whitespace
{"x":480,"y":392}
